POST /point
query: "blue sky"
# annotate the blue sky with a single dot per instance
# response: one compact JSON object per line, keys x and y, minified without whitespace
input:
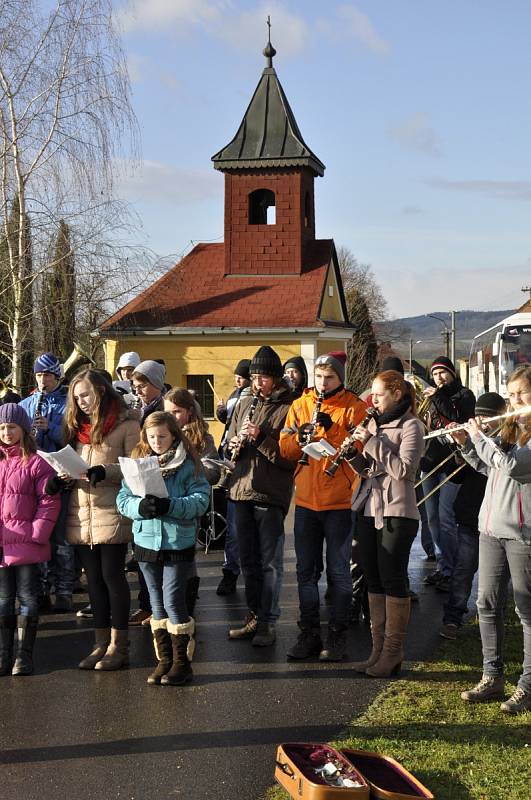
{"x":421,"y":112}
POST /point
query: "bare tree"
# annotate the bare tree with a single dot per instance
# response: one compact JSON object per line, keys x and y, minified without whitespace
{"x":358,"y":277}
{"x":65,"y":122}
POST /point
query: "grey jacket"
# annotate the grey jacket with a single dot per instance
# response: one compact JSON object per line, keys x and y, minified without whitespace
{"x":506,"y":509}
{"x":388,"y":464}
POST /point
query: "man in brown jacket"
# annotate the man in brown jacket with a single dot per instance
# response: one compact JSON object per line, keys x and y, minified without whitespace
{"x":261,"y":487}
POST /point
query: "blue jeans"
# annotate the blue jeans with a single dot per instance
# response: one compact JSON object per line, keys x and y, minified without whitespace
{"x":499,"y":561}
{"x":312,"y":528}
{"x":441,"y":519}
{"x":166,"y":584}
{"x":232,"y":550}
{"x":261,"y":540}
{"x":60,"y":570}
{"x":23,"y":582}
{"x":466,"y":566}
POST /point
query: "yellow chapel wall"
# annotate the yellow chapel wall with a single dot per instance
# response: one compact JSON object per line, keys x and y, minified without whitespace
{"x":330,"y":305}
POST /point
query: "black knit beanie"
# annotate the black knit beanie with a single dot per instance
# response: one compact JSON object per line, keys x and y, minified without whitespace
{"x":266,"y":362}
{"x":242,"y":369}
{"x":490,"y":404}
{"x":297,"y":362}
{"x":443,"y":362}
{"x":392,"y":362}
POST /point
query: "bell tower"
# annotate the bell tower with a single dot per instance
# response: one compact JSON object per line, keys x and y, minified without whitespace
{"x":269,"y":185}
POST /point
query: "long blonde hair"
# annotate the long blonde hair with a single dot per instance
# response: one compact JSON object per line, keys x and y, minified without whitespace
{"x":511,"y":432}
{"x":106,"y":398}
{"x":197,"y":428}
{"x":143,"y":449}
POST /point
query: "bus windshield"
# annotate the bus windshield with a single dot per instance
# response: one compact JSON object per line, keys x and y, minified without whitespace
{"x":516,"y":348}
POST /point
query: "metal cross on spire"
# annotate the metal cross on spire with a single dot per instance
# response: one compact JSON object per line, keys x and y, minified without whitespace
{"x":269,"y":51}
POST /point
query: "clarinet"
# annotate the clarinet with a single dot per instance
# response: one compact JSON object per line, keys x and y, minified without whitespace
{"x":304,"y":460}
{"x":243,"y":437}
{"x":347,"y":444}
{"x":37,"y":415}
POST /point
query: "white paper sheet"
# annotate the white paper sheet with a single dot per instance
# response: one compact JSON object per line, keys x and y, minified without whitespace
{"x":66,"y":461}
{"x":143,"y":476}
{"x":320,"y":449}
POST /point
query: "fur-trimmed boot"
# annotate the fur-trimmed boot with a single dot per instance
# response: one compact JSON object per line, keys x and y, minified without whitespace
{"x":102,"y":641}
{"x":396,"y":620}
{"x":183,"y":644}
{"x":117,"y":654}
{"x":8,"y":626}
{"x":377,"y":612}
{"x":163,"y":649}
{"x":26,"y":632}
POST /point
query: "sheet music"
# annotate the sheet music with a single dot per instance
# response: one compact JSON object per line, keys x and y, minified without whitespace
{"x":66,"y":461}
{"x":143,"y":476}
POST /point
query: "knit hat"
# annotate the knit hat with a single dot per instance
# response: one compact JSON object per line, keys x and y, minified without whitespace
{"x":336,"y":359}
{"x":127,"y":360}
{"x":443,"y":362}
{"x":266,"y":362}
{"x":297,"y":362}
{"x":47,"y":362}
{"x":153,"y":372}
{"x":242,"y":369}
{"x":490,"y":404}
{"x":394,"y":363}
{"x":15,"y":414}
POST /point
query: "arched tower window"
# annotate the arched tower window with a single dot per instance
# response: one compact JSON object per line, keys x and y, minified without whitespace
{"x":262,"y":209}
{"x":307,"y":211}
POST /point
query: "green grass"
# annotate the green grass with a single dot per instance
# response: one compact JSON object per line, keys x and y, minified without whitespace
{"x":460,"y":751}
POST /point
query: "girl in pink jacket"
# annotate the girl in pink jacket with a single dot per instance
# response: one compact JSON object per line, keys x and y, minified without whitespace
{"x":27,"y":518}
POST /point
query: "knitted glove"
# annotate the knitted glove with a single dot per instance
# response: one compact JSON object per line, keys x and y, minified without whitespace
{"x":162,"y":505}
{"x":147,"y":507}
{"x":303,"y":431}
{"x":96,"y":474}
{"x":325,"y":420}
{"x":54,"y":485}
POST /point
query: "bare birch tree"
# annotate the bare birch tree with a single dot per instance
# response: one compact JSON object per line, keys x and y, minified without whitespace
{"x":65,"y":122}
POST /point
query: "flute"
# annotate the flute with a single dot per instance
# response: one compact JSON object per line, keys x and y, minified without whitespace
{"x":522,"y":412}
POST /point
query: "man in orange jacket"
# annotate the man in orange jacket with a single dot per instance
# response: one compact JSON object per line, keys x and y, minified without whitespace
{"x":322,"y":506}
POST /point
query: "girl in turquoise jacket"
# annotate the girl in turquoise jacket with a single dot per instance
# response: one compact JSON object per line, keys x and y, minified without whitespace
{"x":164,"y":531}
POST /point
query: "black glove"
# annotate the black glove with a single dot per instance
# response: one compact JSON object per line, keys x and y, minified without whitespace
{"x":304,"y":432}
{"x":162,"y":505}
{"x":325,"y":420}
{"x":54,"y":485}
{"x":147,"y":508}
{"x":96,"y":474}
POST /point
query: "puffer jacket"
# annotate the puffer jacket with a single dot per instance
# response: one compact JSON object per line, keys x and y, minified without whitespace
{"x":53,"y":408}
{"x":314,"y":489}
{"x":262,"y":474}
{"x":27,"y":513}
{"x":189,"y":495}
{"x":92,"y":514}
{"x":506,"y":509}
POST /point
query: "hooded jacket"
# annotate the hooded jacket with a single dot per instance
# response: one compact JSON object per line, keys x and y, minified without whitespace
{"x":53,"y":406}
{"x":314,"y":489}
{"x":92,"y":514}
{"x":27,"y":513}
{"x":262,"y":474}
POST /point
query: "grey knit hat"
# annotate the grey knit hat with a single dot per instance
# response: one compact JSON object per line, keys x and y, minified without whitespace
{"x":153,"y":372}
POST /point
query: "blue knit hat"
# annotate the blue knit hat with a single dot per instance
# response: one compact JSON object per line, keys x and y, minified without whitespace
{"x":15,"y":414}
{"x":47,"y":362}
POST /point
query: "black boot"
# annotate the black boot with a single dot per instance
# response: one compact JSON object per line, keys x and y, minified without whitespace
{"x":227,"y":584}
{"x":163,"y":650}
{"x":336,"y":644}
{"x":307,"y":645}
{"x":192,"y":593}
{"x":27,"y":631}
{"x":7,"y":635}
{"x":359,"y":594}
{"x":183,"y":645}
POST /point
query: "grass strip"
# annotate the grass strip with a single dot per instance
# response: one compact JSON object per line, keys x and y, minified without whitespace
{"x":459,"y":750}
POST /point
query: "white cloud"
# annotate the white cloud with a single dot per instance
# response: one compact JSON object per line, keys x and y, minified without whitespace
{"x":155,"y":182}
{"x":157,"y":15}
{"x":350,"y":22}
{"x":416,"y":133}
{"x":509,"y":190}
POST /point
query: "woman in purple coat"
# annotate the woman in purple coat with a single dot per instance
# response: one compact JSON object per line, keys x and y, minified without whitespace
{"x":27,"y":518}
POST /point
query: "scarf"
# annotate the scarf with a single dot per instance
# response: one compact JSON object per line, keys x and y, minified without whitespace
{"x":394,"y":413}
{"x":84,"y":434}
{"x":147,"y":410}
{"x":171,"y":460}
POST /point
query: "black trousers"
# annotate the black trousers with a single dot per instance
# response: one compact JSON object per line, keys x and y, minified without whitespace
{"x":108,"y":588}
{"x":384,"y":553}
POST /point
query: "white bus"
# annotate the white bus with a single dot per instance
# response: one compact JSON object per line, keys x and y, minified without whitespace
{"x":496,"y":352}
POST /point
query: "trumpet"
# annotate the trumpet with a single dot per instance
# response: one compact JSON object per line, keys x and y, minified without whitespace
{"x":522,"y":412}
{"x":347,"y":444}
{"x":304,"y":460}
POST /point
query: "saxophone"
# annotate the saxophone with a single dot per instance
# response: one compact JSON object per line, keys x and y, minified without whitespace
{"x":304,"y":460}
{"x":347,"y":444}
{"x":242,"y":437}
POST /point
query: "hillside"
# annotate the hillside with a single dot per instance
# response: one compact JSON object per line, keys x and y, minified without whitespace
{"x":430,"y":332}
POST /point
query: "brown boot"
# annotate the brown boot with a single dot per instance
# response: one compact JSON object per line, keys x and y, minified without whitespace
{"x":396,"y":620}
{"x":117,"y":655}
{"x":183,"y":643}
{"x":163,"y":649}
{"x":377,"y":614}
{"x":103,"y":637}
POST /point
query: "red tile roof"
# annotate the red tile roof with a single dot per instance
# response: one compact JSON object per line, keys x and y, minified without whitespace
{"x":196,"y":293}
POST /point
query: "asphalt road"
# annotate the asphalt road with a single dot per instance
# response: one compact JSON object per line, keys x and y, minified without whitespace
{"x":66,"y":733}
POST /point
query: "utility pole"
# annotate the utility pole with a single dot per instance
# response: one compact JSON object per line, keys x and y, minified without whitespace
{"x":452,"y":337}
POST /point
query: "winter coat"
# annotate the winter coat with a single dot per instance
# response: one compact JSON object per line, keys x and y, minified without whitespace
{"x":189,"y":495}
{"x":469,"y":498}
{"x":388,"y":465}
{"x":262,"y":473}
{"x":92,"y":514}
{"x":450,"y":403}
{"x":27,"y":513}
{"x":506,"y":509}
{"x":225,"y":413}
{"x":314,"y":489}
{"x":53,"y":408}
